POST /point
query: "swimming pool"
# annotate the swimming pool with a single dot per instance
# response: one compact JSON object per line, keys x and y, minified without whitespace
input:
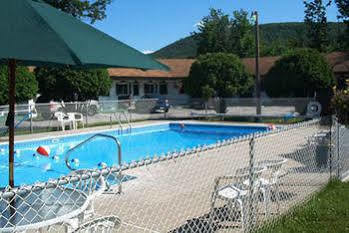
{"x":141,"y":142}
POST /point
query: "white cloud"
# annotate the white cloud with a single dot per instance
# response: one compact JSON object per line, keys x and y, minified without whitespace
{"x":148,"y":51}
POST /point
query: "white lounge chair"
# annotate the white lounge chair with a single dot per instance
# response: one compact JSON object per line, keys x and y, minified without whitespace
{"x":103,"y":224}
{"x":271,"y":182}
{"x":64,"y":120}
{"x":236,"y":193}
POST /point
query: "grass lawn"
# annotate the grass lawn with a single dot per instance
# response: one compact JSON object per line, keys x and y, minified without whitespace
{"x":328,"y":211}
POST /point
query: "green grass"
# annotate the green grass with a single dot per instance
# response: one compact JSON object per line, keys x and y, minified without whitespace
{"x":327,"y":211}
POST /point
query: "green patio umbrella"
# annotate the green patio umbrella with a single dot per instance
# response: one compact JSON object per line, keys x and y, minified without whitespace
{"x":35,"y":34}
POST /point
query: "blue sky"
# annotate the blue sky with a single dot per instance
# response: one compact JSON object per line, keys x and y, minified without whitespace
{"x":149,"y":25}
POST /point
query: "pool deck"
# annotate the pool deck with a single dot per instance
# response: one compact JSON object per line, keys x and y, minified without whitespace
{"x":174,"y":195}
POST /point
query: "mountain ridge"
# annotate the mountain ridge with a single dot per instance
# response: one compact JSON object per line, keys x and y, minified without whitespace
{"x":282,"y":33}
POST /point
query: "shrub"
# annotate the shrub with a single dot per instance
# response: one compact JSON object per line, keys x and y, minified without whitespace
{"x":299,"y":74}
{"x":340,"y":105}
{"x":26,"y":85}
{"x":221,"y":73}
{"x":70,"y":84}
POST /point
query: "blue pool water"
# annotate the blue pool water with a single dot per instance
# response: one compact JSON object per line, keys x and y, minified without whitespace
{"x":140,"y":143}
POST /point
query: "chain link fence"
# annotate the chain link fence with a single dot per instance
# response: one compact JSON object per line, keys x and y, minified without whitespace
{"x":340,"y":151}
{"x":240,"y":107}
{"x":234,"y":185}
{"x":56,"y":116}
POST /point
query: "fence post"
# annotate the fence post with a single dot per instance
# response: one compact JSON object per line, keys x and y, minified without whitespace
{"x":86,"y":118}
{"x":251,"y":215}
{"x":338,"y":148}
{"x":31,"y":123}
{"x":332,"y":145}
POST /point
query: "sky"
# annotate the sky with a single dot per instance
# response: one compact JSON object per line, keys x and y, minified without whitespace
{"x":149,"y":25}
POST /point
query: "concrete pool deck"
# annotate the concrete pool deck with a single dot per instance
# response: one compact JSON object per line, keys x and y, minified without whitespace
{"x":174,"y":195}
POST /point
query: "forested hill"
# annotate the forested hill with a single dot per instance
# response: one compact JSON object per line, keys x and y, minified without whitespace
{"x":278,"y":34}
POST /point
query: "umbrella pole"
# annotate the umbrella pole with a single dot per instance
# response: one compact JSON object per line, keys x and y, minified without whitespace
{"x":11,"y":116}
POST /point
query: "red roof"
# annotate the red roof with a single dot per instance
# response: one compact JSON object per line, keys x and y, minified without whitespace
{"x":180,"y":68}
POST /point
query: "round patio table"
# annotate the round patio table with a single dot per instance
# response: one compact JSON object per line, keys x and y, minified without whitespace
{"x":41,"y":208}
{"x":270,"y":163}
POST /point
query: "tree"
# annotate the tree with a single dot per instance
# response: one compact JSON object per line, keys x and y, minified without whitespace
{"x":241,"y":36}
{"x":26,"y":85}
{"x":71,"y":85}
{"x":343,"y":10}
{"x":223,"y":73}
{"x":302,"y":73}
{"x":213,"y":33}
{"x":220,"y":33}
{"x":340,"y":104}
{"x":316,"y":22}
{"x":93,"y":10}
{"x":275,"y":48}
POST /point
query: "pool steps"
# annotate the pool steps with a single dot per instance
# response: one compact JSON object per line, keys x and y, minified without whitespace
{"x":118,"y":117}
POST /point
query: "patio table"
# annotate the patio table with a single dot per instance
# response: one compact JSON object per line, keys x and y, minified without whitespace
{"x":41,"y":208}
{"x":270,"y":163}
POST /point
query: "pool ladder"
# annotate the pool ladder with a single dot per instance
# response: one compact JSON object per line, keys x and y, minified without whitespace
{"x":119,"y":154}
{"x":127,"y":120}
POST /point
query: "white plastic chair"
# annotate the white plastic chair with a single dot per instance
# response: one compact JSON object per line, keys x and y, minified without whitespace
{"x":76,"y":117}
{"x":32,"y":110}
{"x":237,"y":192}
{"x":315,"y":138}
{"x":103,"y":224}
{"x":64,"y":120}
{"x":271,"y":183}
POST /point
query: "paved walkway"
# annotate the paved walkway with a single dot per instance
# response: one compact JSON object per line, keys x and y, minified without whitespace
{"x":174,"y":195}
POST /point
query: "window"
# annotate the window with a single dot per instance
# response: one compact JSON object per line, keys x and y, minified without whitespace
{"x":135,"y":89}
{"x":163,"y":89}
{"x":150,"y":89}
{"x":121,"y":89}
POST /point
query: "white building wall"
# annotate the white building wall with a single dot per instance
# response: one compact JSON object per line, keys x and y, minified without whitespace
{"x":173,"y":89}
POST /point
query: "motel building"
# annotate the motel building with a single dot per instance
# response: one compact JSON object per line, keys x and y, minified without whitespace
{"x":138,"y":84}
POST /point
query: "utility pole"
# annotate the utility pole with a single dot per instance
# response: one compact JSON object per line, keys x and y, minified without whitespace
{"x":258,"y":77}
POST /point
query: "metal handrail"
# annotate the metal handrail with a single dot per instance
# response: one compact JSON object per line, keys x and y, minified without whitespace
{"x":67,"y":162}
{"x":89,"y":139}
{"x":119,"y":122}
{"x":127,"y":121}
